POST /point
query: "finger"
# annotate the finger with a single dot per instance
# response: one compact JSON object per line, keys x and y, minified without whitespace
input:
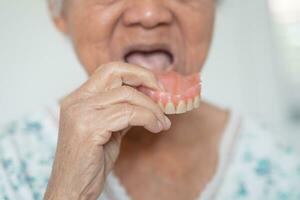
{"x":120,"y":116}
{"x":123,"y":132}
{"x":129,"y":95}
{"x":116,"y":74}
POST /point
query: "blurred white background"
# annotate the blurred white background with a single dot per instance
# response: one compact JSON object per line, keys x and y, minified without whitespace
{"x":244,"y":71}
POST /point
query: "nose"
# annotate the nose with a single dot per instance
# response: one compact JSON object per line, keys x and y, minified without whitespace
{"x":147,"y":13}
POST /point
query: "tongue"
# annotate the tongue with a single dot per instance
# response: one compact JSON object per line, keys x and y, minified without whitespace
{"x":156,"y":61}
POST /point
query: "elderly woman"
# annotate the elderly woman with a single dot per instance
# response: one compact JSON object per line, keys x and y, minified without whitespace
{"x":115,"y":142}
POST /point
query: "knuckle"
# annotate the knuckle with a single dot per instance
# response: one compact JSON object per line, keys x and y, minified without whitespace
{"x":128,"y":111}
{"x":128,"y":92}
{"x":126,"y":107}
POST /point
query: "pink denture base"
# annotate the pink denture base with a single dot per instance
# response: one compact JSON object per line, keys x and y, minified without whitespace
{"x":179,"y":91}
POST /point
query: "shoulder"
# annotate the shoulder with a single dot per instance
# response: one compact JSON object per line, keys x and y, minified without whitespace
{"x":264,"y":165}
{"x":27,"y":147}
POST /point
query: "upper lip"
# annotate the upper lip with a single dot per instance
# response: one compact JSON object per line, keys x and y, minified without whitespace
{"x":148,"y":48}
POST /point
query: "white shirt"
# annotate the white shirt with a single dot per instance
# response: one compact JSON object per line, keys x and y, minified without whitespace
{"x":253,"y":163}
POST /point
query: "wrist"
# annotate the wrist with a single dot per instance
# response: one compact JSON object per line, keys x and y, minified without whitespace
{"x":57,"y":195}
{"x":59,"y":192}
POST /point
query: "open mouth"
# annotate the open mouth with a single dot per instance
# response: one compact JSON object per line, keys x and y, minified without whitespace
{"x":181,"y":93}
{"x":153,"y":59}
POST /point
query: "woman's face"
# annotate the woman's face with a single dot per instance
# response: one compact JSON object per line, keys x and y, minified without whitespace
{"x":157,"y":34}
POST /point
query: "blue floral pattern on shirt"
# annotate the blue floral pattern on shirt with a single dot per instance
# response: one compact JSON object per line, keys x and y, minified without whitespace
{"x":262,"y":166}
{"x":26,"y":154}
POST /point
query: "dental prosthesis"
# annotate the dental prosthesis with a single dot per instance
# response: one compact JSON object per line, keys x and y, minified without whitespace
{"x":180,"y":94}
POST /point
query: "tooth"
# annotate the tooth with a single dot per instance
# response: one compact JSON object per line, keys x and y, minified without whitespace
{"x":197,"y":101}
{"x":181,"y":107}
{"x":189,"y":105}
{"x":161,"y":105}
{"x":170,"y":108}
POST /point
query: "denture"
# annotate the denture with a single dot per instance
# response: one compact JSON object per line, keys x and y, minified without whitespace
{"x":180,"y":94}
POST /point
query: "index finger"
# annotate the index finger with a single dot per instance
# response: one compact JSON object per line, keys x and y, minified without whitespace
{"x":116,"y":74}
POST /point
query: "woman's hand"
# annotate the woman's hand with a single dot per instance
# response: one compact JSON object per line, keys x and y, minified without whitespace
{"x":93,"y":120}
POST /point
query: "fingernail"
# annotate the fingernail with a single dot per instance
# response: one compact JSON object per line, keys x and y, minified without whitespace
{"x":167,"y":123}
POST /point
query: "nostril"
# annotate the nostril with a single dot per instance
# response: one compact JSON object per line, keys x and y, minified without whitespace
{"x":147,"y":15}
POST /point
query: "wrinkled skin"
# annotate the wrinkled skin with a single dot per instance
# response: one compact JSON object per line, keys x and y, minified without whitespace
{"x":101,"y":30}
{"x":95,"y":117}
{"x":87,"y":148}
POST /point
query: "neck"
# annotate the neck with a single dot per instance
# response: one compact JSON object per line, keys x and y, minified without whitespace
{"x":191,"y":145}
{"x":202,"y":126}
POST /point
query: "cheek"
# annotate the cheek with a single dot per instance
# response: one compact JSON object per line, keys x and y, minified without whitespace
{"x":90,"y":29}
{"x":198,"y":33}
